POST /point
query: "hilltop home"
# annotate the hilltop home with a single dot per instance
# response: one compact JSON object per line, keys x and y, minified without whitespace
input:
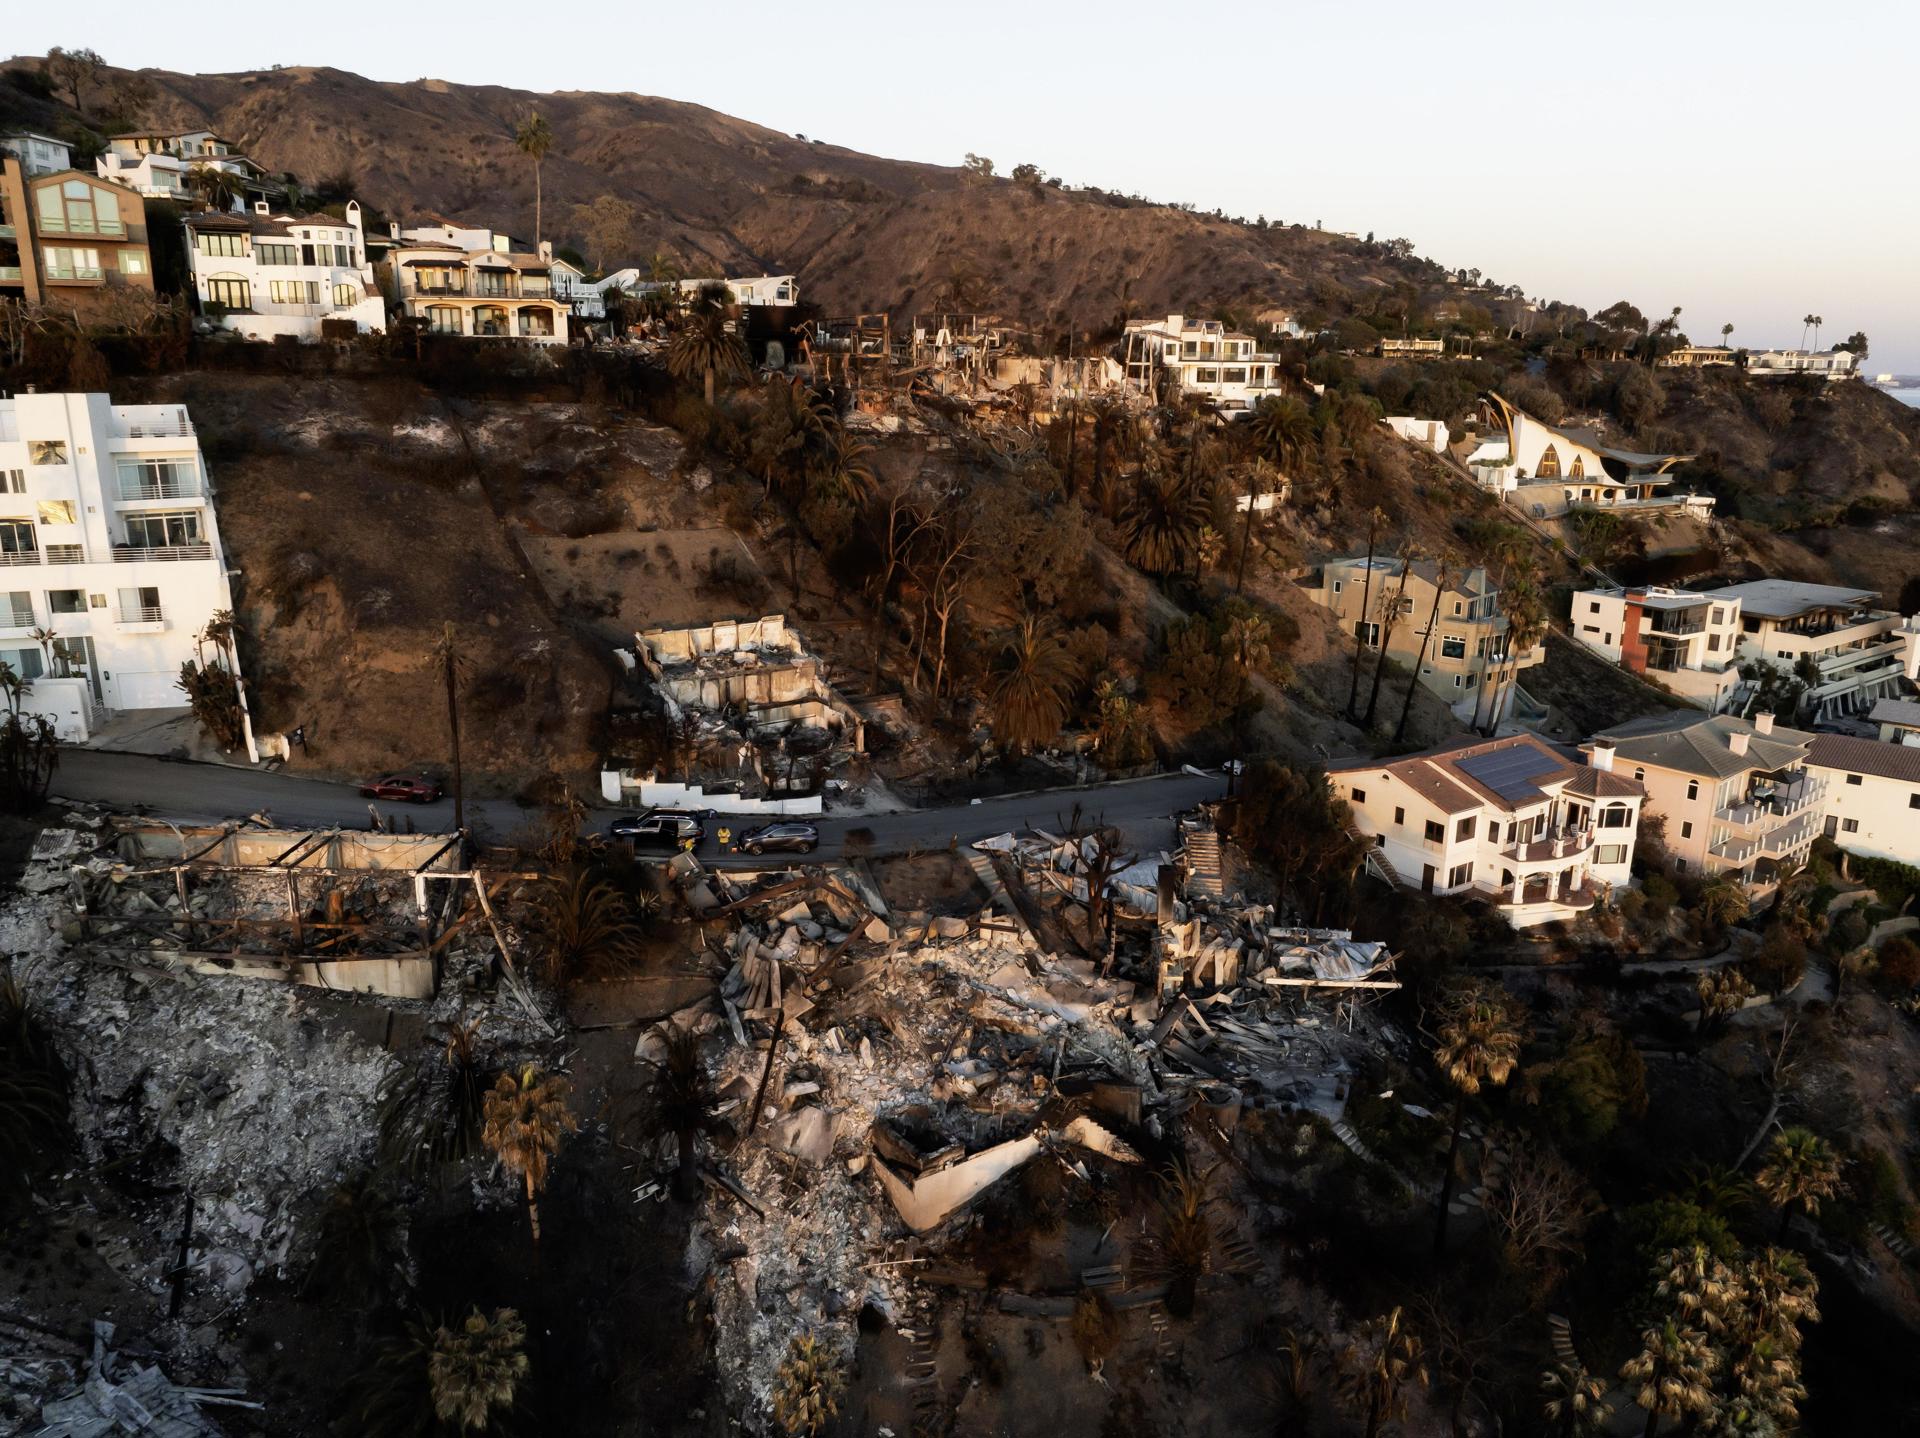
{"x":1828,"y":364}
{"x":1698,"y":357}
{"x":161,"y":165}
{"x":1200,"y":357}
{"x":1472,"y":637}
{"x":1411,"y":349}
{"x":70,"y":239}
{"x":1733,"y":793}
{"x":483,"y":291}
{"x":1427,"y":433}
{"x":38,"y":154}
{"x":1872,"y":802}
{"x":265,"y":275}
{"x":108,"y":540}
{"x":1684,"y":640}
{"x":1515,"y":820}
{"x":1557,"y":468}
{"x":1859,"y":653}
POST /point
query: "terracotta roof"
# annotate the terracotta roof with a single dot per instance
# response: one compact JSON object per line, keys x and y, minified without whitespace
{"x":1592,"y":783}
{"x":1900,"y":762}
{"x":1694,"y":743}
{"x":1468,"y":775}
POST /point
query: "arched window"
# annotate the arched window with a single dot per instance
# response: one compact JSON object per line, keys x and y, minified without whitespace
{"x":1616,"y":816}
{"x":229,"y":292}
{"x":346,"y":296}
{"x":1549,"y":467}
{"x":1579,"y":470}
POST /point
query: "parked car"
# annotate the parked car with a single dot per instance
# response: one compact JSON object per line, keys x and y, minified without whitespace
{"x":786,"y":836}
{"x":665,"y":830}
{"x":401,"y":788}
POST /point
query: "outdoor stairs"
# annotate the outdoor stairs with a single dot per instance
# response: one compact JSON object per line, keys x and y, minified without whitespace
{"x":1896,"y":1243}
{"x":929,"y":1411}
{"x":1562,"y":1333}
{"x":1203,"y":863}
{"x":1162,"y":1335}
{"x":1344,"y":1132}
{"x":1378,"y":864}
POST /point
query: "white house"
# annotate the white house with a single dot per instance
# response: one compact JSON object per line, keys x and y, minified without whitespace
{"x":1556,"y":468}
{"x":1872,"y":797}
{"x":482,"y":291}
{"x":108,"y":540}
{"x":1899,"y":720}
{"x":264,"y":275}
{"x":1514,"y":820}
{"x":1200,"y":357}
{"x":1685,"y":640}
{"x":1859,"y":653}
{"x":38,"y":154}
{"x":753,"y":290}
{"x":160,"y":164}
{"x":1427,"y":433}
{"x":1828,"y":364}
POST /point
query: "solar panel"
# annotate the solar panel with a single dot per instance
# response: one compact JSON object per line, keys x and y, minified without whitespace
{"x":1510,"y":772}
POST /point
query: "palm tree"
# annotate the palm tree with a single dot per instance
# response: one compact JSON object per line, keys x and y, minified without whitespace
{"x":431,"y":1113}
{"x":215,"y":188}
{"x":453,"y":666}
{"x":1389,"y":620}
{"x":1375,"y":516}
{"x":808,"y":1386}
{"x":1280,"y":429}
{"x":1105,"y":434}
{"x":1721,"y":992}
{"x":705,"y":346}
{"x":1479,"y":1045}
{"x":1526,"y":612}
{"x":1801,"y":1168}
{"x":526,"y":1119}
{"x":1818,"y":320}
{"x":1379,"y":1365}
{"x":1032,"y":676}
{"x":1674,"y":1372}
{"x":1778,"y":1295}
{"x":1724,"y":901}
{"x":843,"y":470}
{"x":1442,"y":577}
{"x":1806,"y":323}
{"x":46,"y":639}
{"x":683,"y":1103}
{"x":33,"y":1086}
{"x":1161,"y":524}
{"x":1184,"y":1249}
{"x":475,"y":1370}
{"x":1726,"y":331}
{"x":584,"y":924}
{"x":534,"y":136}
{"x":1576,"y":1403}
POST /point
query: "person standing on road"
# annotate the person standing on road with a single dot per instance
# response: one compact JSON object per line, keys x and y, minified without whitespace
{"x":726,"y":839}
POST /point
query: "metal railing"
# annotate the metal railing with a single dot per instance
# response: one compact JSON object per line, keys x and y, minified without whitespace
{"x":159,"y":489}
{"x":14,"y":558}
{"x":75,"y":272}
{"x":65,"y":226}
{"x":66,"y":554}
{"x":142,"y":614}
{"x":179,"y":427}
{"x":9,"y":272}
{"x":135,"y":554}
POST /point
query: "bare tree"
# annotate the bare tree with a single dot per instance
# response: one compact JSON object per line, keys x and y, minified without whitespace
{"x":1540,"y":1208}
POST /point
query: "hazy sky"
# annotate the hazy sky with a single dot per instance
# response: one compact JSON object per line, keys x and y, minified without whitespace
{"x":1750,"y":161}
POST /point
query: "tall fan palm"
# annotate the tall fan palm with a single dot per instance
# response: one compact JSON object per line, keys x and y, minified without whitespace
{"x":475,"y":1370}
{"x":215,"y":188}
{"x":534,"y":136}
{"x":1376,"y":1370}
{"x":705,"y":346}
{"x":1802,"y":1169}
{"x":526,"y":1121}
{"x":1673,"y":1373}
{"x":1280,"y":430}
{"x":1162,"y":522}
{"x":431,"y":1112}
{"x":683,"y":1103}
{"x":1575,"y":1402}
{"x":1032,"y":675}
{"x":844,"y":469}
{"x":1479,"y":1046}
{"x":586,"y":925}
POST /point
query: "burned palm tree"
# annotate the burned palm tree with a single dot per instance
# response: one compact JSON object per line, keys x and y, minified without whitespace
{"x":586,"y":925}
{"x":808,"y":1387}
{"x":431,"y":1112}
{"x":361,"y":1244}
{"x":434,"y":1379}
{"x":1182,"y":1252}
{"x":683,"y":1103}
{"x":33,"y":1089}
{"x":526,"y":1120}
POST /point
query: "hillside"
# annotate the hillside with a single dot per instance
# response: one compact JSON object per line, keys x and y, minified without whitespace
{"x":723,"y":193}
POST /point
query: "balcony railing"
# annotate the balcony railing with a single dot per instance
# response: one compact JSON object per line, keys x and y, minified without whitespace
{"x":159,"y":489}
{"x":1768,"y":802}
{"x":9,"y":272}
{"x":135,"y":554}
{"x":75,"y":273}
{"x":66,"y":554}
{"x":17,"y":558}
{"x":179,"y":426}
{"x":1696,"y":623}
{"x":81,"y":227}
{"x":1555,"y":844}
{"x":141,"y":615}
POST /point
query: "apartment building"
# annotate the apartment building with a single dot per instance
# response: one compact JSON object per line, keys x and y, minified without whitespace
{"x":1737,"y":795}
{"x":1899,"y":720}
{"x":38,"y":154}
{"x":1684,"y":640}
{"x":1827,"y":364}
{"x":1872,"y":803}
{"x":1200,"y":357}
{"x":264,"y":275}
{"x":1858,"y":653}
{"x":456,"y":287}
{"x":109,"y":551}
{"x":160,"y":165}
{"x":1388,"y":595}
{"x":1551,"y":469}
{"x":70,"y":239}
{"x":1516,"y":821}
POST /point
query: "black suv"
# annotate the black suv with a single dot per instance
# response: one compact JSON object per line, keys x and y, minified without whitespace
{"x":663,"y":830}
{"x":788,"y":836}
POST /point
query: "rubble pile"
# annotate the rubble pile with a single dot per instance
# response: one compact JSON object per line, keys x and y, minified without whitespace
{"x":105,"y":1395}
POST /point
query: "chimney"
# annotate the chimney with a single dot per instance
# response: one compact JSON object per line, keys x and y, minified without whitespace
{"x":393,"y":228}
{"x":1763,"y":723}
{"x":546,"y":251}
{"x":1601,"y":758}
{"x":1737,"y":741}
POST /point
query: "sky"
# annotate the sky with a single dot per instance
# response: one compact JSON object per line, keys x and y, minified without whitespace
{"x":1750,"y":162}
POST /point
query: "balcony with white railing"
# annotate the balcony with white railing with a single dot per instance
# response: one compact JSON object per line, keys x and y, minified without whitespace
{"x":75,"y":274}
{"x":75,"y":225}
{"x":66,"y":554}
{"x":130,"y":491}
{"x":18,"y":558}
{"x":140,"y":619}
{"x":151,"y":421}
{"x":169,"y":553}
{"x":1557,"y":844}
{"x":1770,"y":802}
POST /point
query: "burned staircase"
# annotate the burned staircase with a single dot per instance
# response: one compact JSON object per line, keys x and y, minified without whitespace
{"x":1203,"y":862}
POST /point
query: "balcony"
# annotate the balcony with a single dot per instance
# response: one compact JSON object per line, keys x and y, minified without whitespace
{"x":1770,"y":801}
{"x":131,"y":554}
{"x":9,"y":273}
{"x":173,"y":426}
{"x":18,"y":558}
{"x":111,"y":228}
{"x":1556,"y":843}
{"x":141,"y":619}
{"x":1681,"y":624}
{"x":75,"y":274}
{"x":134,"y":489}
{"x":66,"y":554}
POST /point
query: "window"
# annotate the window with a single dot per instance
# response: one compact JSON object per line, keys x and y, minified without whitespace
{"x":66,"y":601}
{"x":1493,"y":832}
{"x":1616,"y":816}
{"x":1639,"y":776}
{"x":346,"y":296}
{"x":1610,"y":854}
{"x":1593,"y":606}
{"x":1686,"y":831}
{"x":1458,"y":607}
{"x":1400,"y":814}
{"x":1453,"y":646}
{"x":1336,"y":586}
{"x":443,"y":319}
{"x":1206,"y":374}
{"x":1367,"y":632}
{"x":1913,"y":801}
{"x":1713,"y":641}
{"x":1853,"y":778}
{"x":1693,"y":788}
{"x":13,"y":481}
{"x":18,"y":609}
{"x":1459,"y":874}
{"x":1233,"y":376}
{"x":1549,"y":464}
{"x":26,"y":662}
{"x":65,"y":262}
{"x":229,"y":292}
{"x":1589,"y":629}
{"x":1579,"y":470}
{"x":157,"y":478}
{"x":1359,"y":796}
{"x":1849,"y":826}
{"x":78,"y":208}
{"x":16,"y":537}
{"x":56,"y":511}
{"x":132,"y":262}
{"x":1464,"y":829}
{"x":295,"y":292}
{"x":218,"y":242}
{"x":47,"y":451}
{"x":269,"y":252}
{"x":162,"y":531}
{"x":1436,"y":834}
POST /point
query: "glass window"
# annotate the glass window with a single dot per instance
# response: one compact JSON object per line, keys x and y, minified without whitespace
{"x":443,"y":319}
{"x":160,"y":531}
{"x":18,"y":609}
{"x":1436,"y":833}
{"x":65,"y":262}
{"x":1359,"y":796}
{"x":1616,"y":816}
{"x":56,"y":511}
{"x":1233,"y":376}
{"x":1853,"y":778}
{"x":47,"y":451}
{"x":346,"y":296}
{"x":1849,"y":826}
{"x":221,"y":242}
{"x":269,"y":252}
{"x":1453,"y":646}
{"x":1464,"y":829}
{"x":1611,"y":854}
{"x":132,"y":262}
{"x":16,"y":537}
{"x":230,"y":292}
{"x":13,"y":481}
{"x":66,"y":601}
{"x":26,"y":663}
{"x":1460,"y":874}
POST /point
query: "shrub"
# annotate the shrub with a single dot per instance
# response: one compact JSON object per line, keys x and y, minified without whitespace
{"x":1899,"y":966}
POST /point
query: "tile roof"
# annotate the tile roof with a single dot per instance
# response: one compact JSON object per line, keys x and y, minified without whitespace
{"x":1446,"y":777}
{"x":1900,"y":762}
{"x":1693,"y":743}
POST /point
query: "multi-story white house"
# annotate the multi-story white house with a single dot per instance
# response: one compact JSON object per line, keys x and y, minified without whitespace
{"x":1550,"y":469}
{"x":1682,"y":639}
{"x":1872,"y":803}
{"x":264,"y":275}
{"x":110,"y":556}
{"x":1828,"y":364}
{"x":1859,"y":653}
{"x":1200,"y":357}
{"x":455,"y":286}
{"x":1514,"y":820}
{"x":161,"y":165}
{"x":38,"y":154}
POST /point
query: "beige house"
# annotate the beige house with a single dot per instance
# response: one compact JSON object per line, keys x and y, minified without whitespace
{"x":1735,"y":794}
{"x":1873,"y":795}
{"x":70,"y":239}
{"x":1470,"y":631}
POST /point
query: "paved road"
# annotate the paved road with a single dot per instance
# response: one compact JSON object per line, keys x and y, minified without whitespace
{"x":208,"y":793}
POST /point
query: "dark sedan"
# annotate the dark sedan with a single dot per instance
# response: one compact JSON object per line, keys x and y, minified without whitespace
{"x":786,"y":837}
{"x":401,"y":788}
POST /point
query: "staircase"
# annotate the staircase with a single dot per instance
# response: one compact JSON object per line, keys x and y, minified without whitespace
{"x":1378,"y":864}
{"x":1562,"y":1333}
{"x":1203,"y":862}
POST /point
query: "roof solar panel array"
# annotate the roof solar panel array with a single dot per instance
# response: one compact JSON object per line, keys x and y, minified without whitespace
{"x":1511,"y":773}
